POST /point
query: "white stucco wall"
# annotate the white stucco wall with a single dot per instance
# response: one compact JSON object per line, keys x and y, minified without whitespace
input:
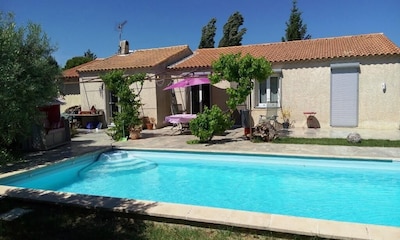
{"x":306,"y":89}
{"x":378,"y":109}
{"x":93,"y":93}
{"x":71,"y":96}
{"x":70,"y":101}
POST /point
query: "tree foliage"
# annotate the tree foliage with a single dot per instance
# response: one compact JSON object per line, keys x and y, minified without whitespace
{"x":76,"y":61}
{"x":242,"y":71}
{"x":208,"y":34}
{"x":295,"y":29}
{"x":210,"y":123}
{"x":232,"y":36}
{"x":79,"y":60}
{"x":128,"y":100}
{"x":28,"y":74}
{"x":90,"y":55}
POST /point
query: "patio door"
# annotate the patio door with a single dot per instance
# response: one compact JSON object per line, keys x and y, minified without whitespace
{"x":199,"y":98}
{"x":344,"y":95}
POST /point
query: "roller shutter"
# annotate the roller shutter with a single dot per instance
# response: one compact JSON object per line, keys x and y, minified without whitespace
{"x":344,"y":95}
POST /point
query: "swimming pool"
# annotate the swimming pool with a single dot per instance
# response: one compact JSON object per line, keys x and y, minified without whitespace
{"x":333,"y":189}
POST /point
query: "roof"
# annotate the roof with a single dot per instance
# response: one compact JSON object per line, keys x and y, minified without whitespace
{"x":313,"y":49}
{"x":73,"y":73}
{"x":143,"y":58}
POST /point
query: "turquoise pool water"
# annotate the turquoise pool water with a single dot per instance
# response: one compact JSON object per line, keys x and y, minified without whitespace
{"x":332,"y":189}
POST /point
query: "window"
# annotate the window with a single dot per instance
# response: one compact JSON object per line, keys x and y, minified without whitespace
{"x":269,"y":92}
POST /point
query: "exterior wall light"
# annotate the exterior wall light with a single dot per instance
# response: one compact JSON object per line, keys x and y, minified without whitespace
{"x":384,"y":87}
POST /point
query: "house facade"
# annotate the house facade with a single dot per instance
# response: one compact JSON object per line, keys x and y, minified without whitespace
{"x":153,"y":62}
{"x":351,"y":81}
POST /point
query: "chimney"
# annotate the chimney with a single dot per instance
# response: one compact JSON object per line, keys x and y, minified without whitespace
{"x":123,"y":47}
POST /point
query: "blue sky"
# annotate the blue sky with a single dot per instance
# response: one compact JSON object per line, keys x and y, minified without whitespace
{"x":75,"y":26}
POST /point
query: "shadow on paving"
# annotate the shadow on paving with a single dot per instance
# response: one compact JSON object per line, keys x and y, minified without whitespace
{"x":75,"y":148}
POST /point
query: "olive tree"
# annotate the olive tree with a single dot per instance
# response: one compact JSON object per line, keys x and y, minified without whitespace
{"x":28,"y":74}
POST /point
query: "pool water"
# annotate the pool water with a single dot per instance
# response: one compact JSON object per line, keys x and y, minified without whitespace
{"x":331,"y":189}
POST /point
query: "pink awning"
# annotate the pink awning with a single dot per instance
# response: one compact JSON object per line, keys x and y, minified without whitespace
{"x":187,"y":82}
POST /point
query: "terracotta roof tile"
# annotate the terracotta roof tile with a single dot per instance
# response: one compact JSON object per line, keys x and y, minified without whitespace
{"x":73,"y":73}
{"x":138,"y":59}
{"x":324,"y":48}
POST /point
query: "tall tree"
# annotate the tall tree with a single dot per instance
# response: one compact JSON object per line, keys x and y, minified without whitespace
{"x":90,"y":55}
{"x":28,"y":74}
{"x":295,"y":29}
{"x":208,"y":34}
{"x":232,"y":35}
{"x":78,"y":60}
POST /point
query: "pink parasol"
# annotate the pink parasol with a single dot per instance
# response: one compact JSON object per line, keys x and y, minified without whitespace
{"x":187,"y":82}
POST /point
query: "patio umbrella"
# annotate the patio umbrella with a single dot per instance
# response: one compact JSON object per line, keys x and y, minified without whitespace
{"x":187,"y":82}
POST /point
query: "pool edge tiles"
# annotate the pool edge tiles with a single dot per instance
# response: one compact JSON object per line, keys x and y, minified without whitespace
{"x":209,"y":215}
{"x":238,"y":152}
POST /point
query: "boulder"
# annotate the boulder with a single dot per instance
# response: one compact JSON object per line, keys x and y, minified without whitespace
{"x":354,"y":138}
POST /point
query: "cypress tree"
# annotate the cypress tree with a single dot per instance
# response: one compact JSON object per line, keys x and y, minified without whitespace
{"x":232,"y":35}
{"x":208,"y":34}
{"x":295,"y":29}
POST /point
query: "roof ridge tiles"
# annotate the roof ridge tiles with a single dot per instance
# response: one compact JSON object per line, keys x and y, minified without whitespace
{"x":160,"y":48}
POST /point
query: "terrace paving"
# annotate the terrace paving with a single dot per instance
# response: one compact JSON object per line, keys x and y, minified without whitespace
{"x":233,"y":141}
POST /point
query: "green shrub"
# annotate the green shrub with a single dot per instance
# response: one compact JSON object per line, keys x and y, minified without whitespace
{"x":210,"y":123}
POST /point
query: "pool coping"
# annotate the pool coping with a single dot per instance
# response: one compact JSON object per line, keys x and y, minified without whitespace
{"x":209,"y":215}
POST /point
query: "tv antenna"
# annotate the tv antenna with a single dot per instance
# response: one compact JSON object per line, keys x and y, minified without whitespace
{"x":120,"y":26}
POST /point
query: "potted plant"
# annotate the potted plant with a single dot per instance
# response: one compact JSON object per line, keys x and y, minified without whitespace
{"x":127,"y":121}
{"x":150,"y":124}
{"x":286,"y":117}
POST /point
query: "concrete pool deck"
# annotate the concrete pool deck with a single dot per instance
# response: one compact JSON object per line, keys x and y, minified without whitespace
{"x":233,"y":141}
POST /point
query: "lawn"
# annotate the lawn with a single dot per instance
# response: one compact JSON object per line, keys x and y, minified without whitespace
{"x":339,"y":141}
{"x":64,"y":222}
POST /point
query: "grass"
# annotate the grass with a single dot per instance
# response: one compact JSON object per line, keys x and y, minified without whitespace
{"x":65,"y":222}
{"x":324,"y":141}
{"x":339,"y":141}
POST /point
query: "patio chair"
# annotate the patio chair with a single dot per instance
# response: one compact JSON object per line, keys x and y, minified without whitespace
{"x":271,"y":113}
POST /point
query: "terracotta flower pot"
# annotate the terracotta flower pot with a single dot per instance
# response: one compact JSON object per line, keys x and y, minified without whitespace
{"x":134,"y":134}
{"x":149,"y":126}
